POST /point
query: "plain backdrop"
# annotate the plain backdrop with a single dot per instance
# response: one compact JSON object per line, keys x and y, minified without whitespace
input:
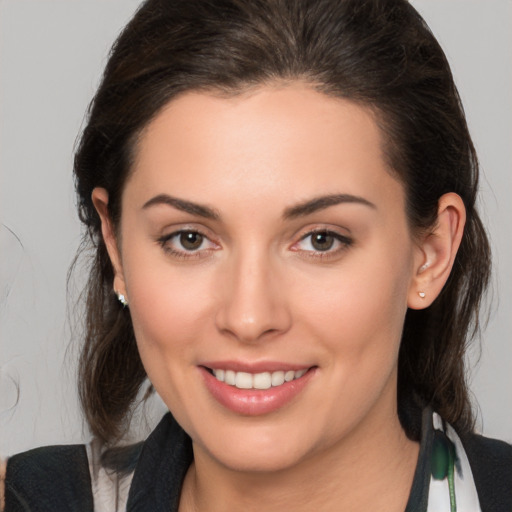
{"x":51,"y":55}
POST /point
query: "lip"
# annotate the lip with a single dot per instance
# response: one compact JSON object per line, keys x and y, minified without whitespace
{"x":254,"y":402}
{"x":257,"y":367}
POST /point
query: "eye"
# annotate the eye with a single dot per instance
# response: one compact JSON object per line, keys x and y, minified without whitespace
{"x":322,"y":241}
{"x":190,"y":240}
{"x":186,"y":243}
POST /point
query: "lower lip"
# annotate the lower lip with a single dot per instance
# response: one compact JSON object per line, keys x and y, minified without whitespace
{"x":255,"y":402}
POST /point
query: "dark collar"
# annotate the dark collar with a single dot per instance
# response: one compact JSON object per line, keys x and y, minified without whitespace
{"x":418,"y":497}
{"x":163,"y":462}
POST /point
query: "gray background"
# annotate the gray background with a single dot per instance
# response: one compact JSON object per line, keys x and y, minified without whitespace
{"x":51,"y":55}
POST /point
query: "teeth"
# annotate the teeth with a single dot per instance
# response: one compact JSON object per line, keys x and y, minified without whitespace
{"x":277,"y":378}
{"x":262,"y":380}
{"x":243,"y":380}
{"x":230,"y":377}
{"x":265,"y":380}
{"x":288,"y":376}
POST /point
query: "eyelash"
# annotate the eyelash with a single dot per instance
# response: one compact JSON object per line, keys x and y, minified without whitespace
{"x":165,"y":240}
{"x":343,"y":242}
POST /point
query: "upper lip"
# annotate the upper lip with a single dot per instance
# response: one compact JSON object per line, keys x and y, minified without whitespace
{"x":254,"y":367}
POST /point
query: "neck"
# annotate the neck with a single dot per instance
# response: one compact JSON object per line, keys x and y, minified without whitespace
{"x":373,"y":468}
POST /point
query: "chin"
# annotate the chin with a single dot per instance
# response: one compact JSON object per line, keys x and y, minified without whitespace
{"x":258,"y":449}
{"x":254,"y":461}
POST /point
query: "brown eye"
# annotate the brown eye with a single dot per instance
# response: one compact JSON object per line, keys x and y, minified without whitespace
{"x":190,"y":240}
{"x":187,"y":243}
{"x":322,"y":241}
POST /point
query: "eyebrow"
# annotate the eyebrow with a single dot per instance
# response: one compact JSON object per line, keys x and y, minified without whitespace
{"x":300,"y":210}
{"x":183,"y":205}
{"x":322,"y":202}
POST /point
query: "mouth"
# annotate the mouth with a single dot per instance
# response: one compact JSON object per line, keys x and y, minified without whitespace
{"x":262,"y":380}
{"x":267,"y":388}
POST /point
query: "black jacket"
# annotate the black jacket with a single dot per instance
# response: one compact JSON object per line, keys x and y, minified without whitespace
{"x":57,"y":478}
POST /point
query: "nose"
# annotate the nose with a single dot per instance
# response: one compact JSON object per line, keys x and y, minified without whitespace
{"x":253,"y":302}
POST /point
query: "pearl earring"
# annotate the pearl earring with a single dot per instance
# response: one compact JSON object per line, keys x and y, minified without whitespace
{"x":422,"y":294}
{"x":122,"y":299}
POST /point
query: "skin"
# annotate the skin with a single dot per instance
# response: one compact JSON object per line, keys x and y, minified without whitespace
{"x":257,"y":290}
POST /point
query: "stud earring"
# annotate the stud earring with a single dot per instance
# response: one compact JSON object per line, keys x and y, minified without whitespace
{"x":422,"y":294}
{"x":122,"y":299}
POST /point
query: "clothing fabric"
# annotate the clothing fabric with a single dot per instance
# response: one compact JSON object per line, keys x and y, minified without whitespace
{"x":472,"y":473}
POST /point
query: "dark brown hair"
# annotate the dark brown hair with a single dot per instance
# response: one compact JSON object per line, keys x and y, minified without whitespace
{"x":379,"y":53}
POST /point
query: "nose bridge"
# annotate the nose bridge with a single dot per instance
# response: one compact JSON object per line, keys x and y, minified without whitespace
{"x":251,"y":304}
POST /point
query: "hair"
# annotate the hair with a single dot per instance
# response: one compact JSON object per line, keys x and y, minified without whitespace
{"x":377,"y":53}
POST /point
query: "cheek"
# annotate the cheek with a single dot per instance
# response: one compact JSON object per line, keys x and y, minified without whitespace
{"x":170,"y":314}
{"x":358,"y":320}
{"x":168,"y":308}
{"x":355,"y":297}
{"x":359,"y":309}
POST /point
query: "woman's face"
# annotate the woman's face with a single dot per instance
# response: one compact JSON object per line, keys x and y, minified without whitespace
{"x":263,"y":239}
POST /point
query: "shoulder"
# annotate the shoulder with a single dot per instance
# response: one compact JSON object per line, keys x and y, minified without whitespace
{"x":493,"y":450}
{"x":491,"y":465}
{"x":49,"y":478}
{"x":79,"y":477}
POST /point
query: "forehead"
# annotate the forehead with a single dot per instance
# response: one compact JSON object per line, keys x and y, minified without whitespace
{"x":283,"y":142}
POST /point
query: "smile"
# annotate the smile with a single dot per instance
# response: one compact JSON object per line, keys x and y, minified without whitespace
{"x":264,"y":380}
{"x":266,"y":389}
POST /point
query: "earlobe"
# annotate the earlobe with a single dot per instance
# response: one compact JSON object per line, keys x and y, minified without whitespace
{"x":437,"y":251}
{"x":100,"y":201}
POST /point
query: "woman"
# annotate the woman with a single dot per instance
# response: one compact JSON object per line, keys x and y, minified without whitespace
{"x":281,"y":197}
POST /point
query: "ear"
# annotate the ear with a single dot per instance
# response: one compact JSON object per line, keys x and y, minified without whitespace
{"x":436,"y":252}
{"x":100,"y":201}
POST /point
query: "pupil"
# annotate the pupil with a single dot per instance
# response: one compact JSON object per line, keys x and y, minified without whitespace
{"x":322,"y":241}
{"x":191,"y":241}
